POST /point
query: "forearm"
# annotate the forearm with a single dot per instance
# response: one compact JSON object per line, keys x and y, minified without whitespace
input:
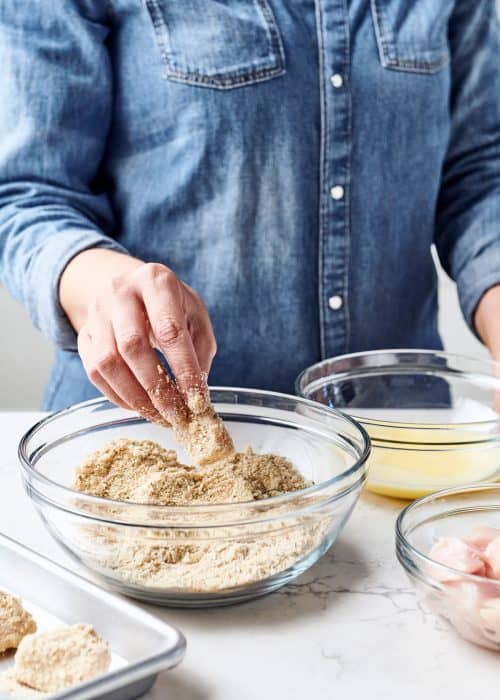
{"x":468,"y":210}
{"x":52,"y":141}
{"x":87,"y":277}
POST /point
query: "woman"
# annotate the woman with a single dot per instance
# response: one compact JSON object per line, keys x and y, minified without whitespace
{"x":291,"y":160}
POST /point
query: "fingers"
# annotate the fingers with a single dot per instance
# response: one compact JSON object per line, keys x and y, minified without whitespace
{"x":85,"y":350}
{"x":201,"y":330}
{"x":107,"y":370}
{"x":163,"y":301}
{"x":131,"y":333}
{"x":204,"y":342}
{"x":149,"y":306}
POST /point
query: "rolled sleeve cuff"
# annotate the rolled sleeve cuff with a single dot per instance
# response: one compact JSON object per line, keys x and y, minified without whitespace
{"x":480,"y":274}
{"x":46,"y":270}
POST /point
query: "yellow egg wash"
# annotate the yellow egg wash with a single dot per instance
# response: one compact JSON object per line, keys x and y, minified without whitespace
{"x":412,"y":461}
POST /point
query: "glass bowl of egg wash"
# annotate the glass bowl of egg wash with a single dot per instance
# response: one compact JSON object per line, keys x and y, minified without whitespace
{"x":432,"y":416}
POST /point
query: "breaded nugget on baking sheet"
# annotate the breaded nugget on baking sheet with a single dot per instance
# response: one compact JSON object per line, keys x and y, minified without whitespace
{"x":15,"y":622}
{"x":54,"y":660}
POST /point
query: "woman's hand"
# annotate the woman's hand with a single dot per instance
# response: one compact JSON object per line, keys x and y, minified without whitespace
{"x":121,"y":309}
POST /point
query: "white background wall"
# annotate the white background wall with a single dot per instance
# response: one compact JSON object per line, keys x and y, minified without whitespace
{"x":26,"y":357}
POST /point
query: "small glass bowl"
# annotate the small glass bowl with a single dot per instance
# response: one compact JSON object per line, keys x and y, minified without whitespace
{"x":200,"y":555}
{"x":430,"y":415}
{"x":470,"y":603}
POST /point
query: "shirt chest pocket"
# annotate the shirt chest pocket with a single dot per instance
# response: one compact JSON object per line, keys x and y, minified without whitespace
{"x":217,"y":43}
{"x":412,"y":35}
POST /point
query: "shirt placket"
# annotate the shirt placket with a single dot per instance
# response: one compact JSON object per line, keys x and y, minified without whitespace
{"x":334,"y":62}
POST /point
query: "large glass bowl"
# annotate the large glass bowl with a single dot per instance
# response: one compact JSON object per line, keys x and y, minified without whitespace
{"x":470,"y":603}
{"x":200,"y":555}
{"x":431,"y":416}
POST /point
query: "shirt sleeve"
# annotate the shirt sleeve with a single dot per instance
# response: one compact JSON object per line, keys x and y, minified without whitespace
{"x":468,"y":212}
{"x":55,"y":105}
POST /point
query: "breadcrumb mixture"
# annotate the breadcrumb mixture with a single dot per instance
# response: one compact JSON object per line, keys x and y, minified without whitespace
{"x":178,"y":559}
{"x":141,"y":471}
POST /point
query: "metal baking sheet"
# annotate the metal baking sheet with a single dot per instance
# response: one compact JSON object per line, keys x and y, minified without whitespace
{"x":141,"y":644}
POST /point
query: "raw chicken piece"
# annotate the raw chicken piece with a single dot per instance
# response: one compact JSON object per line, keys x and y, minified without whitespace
{"x":461,"y":605}
{"x":203,"y":435}
{"x":196,"y":425}
{"x":472,"y":606}
{"x":490,"y":616}
{"x":453,"y":552}
{"x":480,"y":537}
{"x":468,"y":597}
{"x":492,"y":557}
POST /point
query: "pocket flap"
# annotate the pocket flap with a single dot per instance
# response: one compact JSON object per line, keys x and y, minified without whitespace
{"x":412,"y":36}
{"x":221,"y":43}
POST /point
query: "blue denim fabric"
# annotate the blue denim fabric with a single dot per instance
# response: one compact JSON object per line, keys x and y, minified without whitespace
{"x":208,"y":135}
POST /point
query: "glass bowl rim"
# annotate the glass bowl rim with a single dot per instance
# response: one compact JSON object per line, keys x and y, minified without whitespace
{"x":195,"y":509}
{"x":418,"y":557}
{"x":403,"y":352}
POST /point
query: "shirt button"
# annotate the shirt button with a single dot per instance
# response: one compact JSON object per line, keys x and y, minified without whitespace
{"x":335,"y":302}
{"x":336,"y":80}
{"x":337,"y":192}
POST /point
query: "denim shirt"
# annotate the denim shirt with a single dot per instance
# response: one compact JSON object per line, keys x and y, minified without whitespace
{"x":292,"y":160}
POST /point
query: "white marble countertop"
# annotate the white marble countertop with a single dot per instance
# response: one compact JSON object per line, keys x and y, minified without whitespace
{"x":349,"y":627}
